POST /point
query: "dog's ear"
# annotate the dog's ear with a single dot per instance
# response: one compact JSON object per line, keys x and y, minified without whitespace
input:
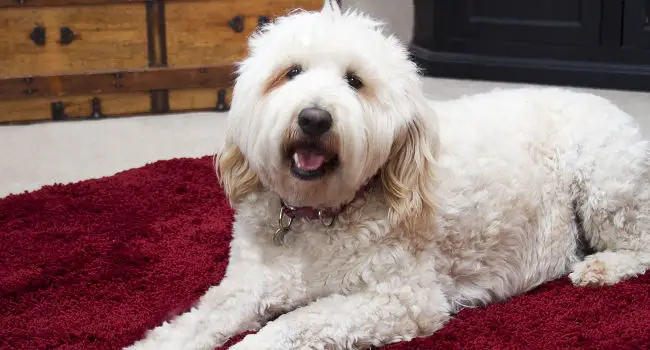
{"x":234,"y":173}
{"x":331,"y":6}
{"x":408,"y":177}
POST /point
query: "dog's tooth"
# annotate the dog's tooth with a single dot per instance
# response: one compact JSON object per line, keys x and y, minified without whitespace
{"x":296,"y":159}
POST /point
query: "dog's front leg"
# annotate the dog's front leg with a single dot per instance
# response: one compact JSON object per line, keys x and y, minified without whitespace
{"x":224,"y":311}
{"x":251,"y":293}
{"x":354,"y":321}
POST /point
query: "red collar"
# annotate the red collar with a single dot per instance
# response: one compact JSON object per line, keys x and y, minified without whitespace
{"x":310,"y":213}
{"x":326,"y":216}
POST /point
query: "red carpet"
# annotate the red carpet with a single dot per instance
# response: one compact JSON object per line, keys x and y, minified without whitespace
{"x":93,"y":265}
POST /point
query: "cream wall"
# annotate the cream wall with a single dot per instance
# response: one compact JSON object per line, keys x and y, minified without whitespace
{"x":398,"y":14}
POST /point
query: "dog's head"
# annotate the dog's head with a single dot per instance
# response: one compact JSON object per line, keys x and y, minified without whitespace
{"x":324,"y":102}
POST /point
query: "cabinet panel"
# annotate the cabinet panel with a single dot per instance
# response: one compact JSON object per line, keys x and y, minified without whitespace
{"x":76,"y":39}
{"x":636,"y":24}
{"x":215,"y":32}
{"x":552,"y":22}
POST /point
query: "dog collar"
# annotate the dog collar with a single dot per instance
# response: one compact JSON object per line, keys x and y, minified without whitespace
{"x":326,"y":216}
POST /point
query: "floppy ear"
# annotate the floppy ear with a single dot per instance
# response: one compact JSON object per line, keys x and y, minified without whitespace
{"x":408,"y":177}
{"x":235,"y":175}
{"x":332,"y":6}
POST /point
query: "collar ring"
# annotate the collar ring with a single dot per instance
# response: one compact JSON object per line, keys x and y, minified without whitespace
{"x":321,"y":218}
{"x":284,"y":224}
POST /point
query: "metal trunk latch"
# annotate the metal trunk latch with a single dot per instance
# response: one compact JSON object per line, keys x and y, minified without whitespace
{"x":97,"y":109}
{"x":262,"y":21}
{"x":222,"y":105}
{"x":58,"y":111}
{"x":67,"y":36}
{"x":237,"y":23}
{"x":37,"y":36}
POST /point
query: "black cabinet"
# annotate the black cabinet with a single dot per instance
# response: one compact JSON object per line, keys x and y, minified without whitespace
{"x":598,"y":43}
{"x":636,"y":27}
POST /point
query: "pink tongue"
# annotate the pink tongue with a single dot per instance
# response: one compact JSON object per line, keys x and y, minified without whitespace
{"x":309,"y":160}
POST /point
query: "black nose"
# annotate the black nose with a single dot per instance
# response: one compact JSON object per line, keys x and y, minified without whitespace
{"x":314,"y":121}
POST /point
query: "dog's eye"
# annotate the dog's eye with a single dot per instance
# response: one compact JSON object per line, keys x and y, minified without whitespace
{"x":354,"y":81}
{"x":293,"y":72}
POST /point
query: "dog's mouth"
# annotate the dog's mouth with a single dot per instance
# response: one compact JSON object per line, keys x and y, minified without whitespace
{"x":311,"y":162}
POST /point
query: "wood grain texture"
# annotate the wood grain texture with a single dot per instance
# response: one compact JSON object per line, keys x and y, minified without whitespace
{"x":117,"y":56}
{"x":118,"y":81}
{"x":80,"y":106}
{"x":40,"y":3}
{"x":198,"y":32}
{"x":195,"y":99}
{"x":108,"y":37}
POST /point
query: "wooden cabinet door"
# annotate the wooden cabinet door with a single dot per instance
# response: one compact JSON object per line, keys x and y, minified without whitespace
{"x":636,"y":24}
{"x":547,"y":22}
{"x":77,"y":39}
{"x":215,"y":32}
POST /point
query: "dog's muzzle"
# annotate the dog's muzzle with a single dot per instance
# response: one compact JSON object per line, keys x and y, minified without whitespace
{"x":309,"y":155}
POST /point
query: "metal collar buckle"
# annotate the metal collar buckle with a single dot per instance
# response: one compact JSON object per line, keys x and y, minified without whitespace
{"x":289,"y":213}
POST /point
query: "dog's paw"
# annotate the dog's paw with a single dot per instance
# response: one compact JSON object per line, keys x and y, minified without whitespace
{"x":282,"y":340}
{"x":589,"y":273}
{"x":183,"y":333}
{"x":252,"y":342}
{"x":605,"y":268}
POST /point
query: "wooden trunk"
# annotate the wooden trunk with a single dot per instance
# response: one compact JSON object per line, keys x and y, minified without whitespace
{"x":65,"y":59}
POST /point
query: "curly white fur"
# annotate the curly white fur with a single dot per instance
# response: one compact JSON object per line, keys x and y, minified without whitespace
{"x":475,"y":200}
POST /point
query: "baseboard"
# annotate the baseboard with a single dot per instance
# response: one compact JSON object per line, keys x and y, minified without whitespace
{"x":532,"y":70}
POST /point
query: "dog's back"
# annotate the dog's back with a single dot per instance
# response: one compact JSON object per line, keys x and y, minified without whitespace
{"x":525,"y":175}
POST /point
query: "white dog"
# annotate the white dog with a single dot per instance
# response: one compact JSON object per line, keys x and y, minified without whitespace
{"x":367,"y":215}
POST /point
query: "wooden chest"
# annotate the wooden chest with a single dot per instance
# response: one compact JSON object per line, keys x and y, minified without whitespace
{"x":65,"y":59}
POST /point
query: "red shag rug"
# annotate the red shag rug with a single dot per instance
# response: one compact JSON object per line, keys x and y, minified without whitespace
{"x":93,"y":265}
